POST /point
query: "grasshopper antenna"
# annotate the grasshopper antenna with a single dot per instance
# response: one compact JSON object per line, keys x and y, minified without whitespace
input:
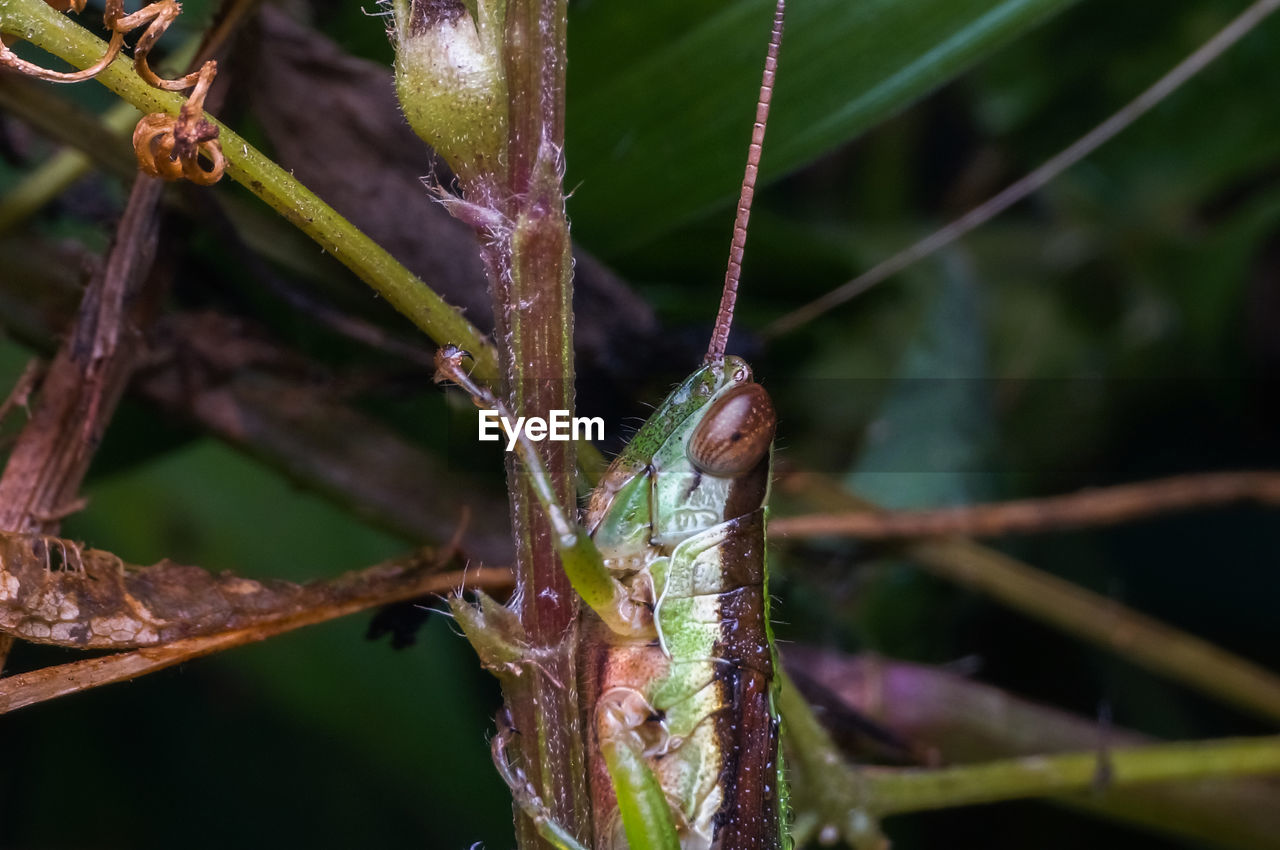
{"x":724,"y":319}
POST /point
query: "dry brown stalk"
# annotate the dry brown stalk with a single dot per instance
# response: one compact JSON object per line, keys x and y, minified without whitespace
{"x":1090,"y":616}
{"x":1095,"y":507}
{"x":382,"y":584}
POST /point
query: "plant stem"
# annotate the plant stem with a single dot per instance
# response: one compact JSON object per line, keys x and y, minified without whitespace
{"x":36,"y":22}
{"x":1143,"y":640}
{"x":898,"y":791}
{"x":952,"y":719}
{"x":830,"y":795}
{"x":530,"y":267}
{"x":845,"y":801}
{"x":391,"y":581}
{"x":1100,"y":506}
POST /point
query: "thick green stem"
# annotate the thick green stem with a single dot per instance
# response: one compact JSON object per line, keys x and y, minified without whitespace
{"x":36,"y":22}
{"x":894,"y":792}
{"x":830,"y":796}
{"x":529,"y":264}
{"x":836,"y":799}
{"x":957,"y":720}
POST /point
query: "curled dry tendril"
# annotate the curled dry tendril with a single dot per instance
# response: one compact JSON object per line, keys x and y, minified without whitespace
{"x":165,"y":146}
{"x":171,"y":147}
{"x":11,"y":60}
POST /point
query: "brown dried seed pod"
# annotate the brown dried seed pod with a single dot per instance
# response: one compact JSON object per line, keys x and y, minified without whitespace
{"x":155,"y":145}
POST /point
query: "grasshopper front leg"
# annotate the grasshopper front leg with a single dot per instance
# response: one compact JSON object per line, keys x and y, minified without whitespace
{"x":523,"y":793}
{"x":591,"y":579}
{"x":649,"y":811}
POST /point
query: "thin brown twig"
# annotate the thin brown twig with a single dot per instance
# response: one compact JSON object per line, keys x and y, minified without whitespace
{"x":1096,"y":507}
{"x":218,"y":373}
{"x":94,"y":364}
{"x":42,"y":475}
{"x":87,"y":377}
{"x":378,"y":585}
{"x":1104,"y":622}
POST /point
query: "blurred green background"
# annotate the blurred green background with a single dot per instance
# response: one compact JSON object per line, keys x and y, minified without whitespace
{"x":1124,"y":323}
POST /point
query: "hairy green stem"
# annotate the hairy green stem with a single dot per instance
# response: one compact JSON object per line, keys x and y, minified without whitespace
{"x":830,"y":796}
{"x":533,"y":310}
{"x":36,"y":22}
{"x":514,"y":198}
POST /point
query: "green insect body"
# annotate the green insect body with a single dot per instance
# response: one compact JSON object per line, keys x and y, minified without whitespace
{"x":676,"y":655}
{"x":689,"y":692}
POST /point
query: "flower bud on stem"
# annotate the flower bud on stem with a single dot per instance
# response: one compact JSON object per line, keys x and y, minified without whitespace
{"x":451,"y":81}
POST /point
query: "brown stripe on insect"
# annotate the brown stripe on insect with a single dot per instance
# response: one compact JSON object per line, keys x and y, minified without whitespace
{"x":747,"y":727}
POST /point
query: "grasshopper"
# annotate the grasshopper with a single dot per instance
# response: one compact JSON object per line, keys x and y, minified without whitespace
{"x":677,"y":659}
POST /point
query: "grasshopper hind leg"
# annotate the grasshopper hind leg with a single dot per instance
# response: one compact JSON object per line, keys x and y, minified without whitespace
{"x":642,"y":804}
{"x":646,"y":814}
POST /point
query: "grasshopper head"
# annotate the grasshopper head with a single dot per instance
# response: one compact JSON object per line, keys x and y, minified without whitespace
{"x":713,"y":432}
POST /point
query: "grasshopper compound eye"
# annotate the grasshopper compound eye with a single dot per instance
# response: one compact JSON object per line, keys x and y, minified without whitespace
{"x":735,"y":434}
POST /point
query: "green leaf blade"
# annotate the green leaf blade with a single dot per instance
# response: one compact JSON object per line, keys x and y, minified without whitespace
{"x":665,"y":122}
